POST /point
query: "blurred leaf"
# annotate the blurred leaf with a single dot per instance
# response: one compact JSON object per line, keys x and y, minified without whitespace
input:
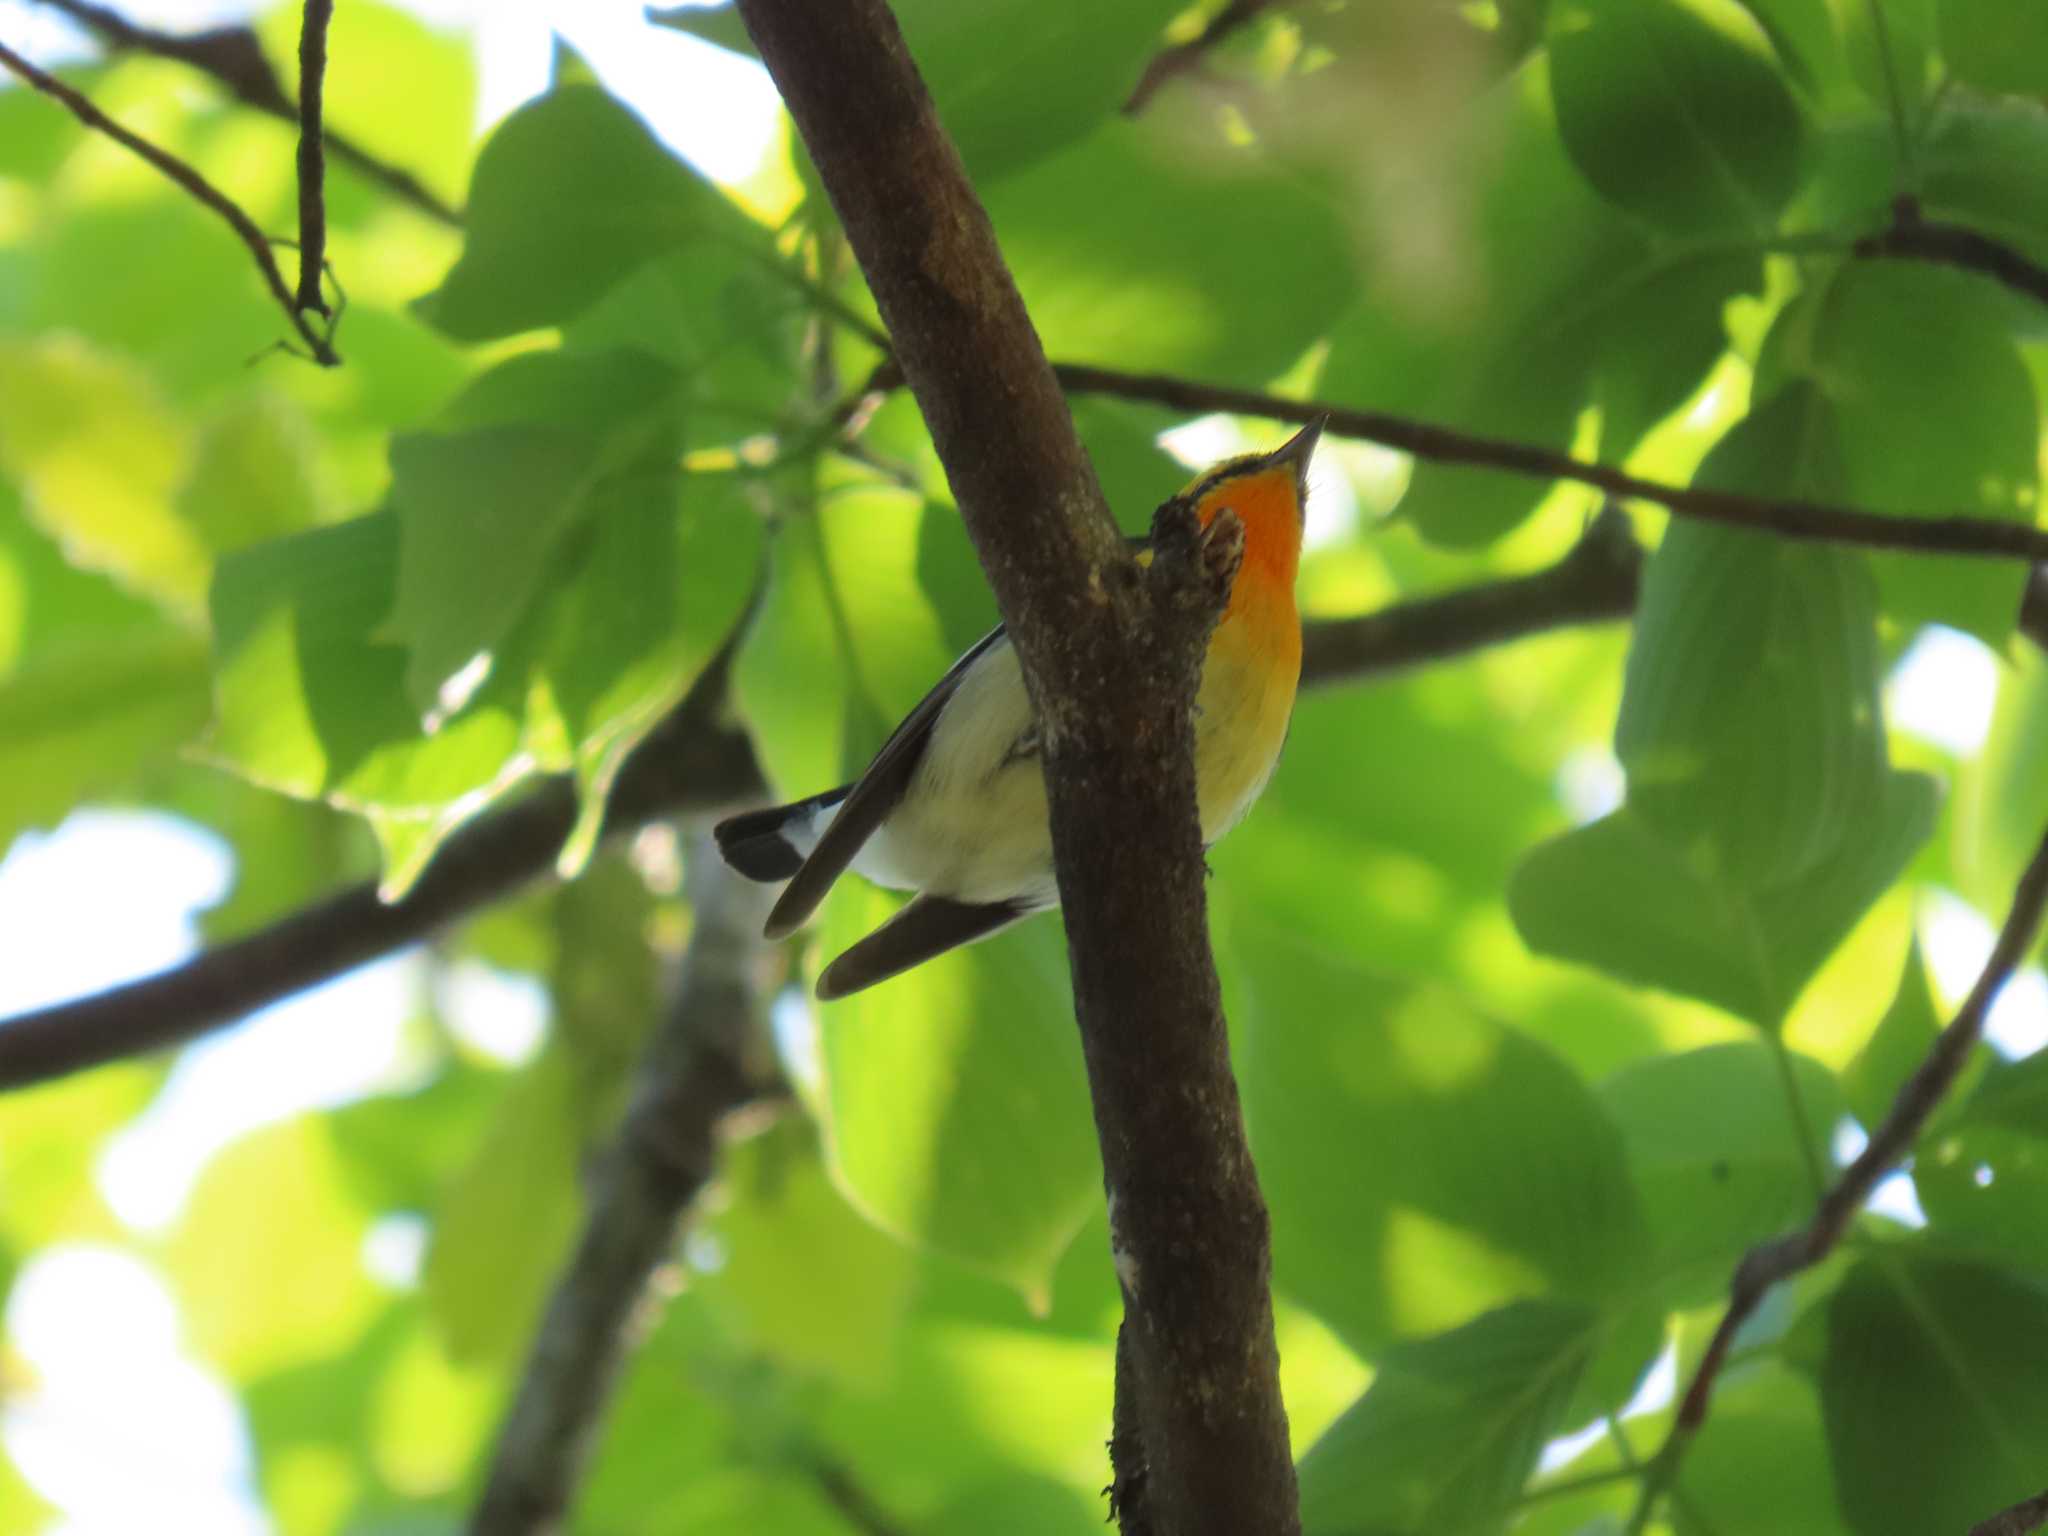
{"x":1981,"y":1170}
{"x":1983,"y":164}
{"x":956,"y":1104}
{"x":84,"y":716}
{"x":1450,"y":1428}
{"x":1118,"y":249}
{"x":1423,"y":1163}
{"x":1807,"y":37}
{"x":98,"y":455}
{"x":782,"y":1226}
{"x":1749,"y":725}
{"x":1891,"y":55}
{"x":1014,"y":80}
{"x":1614,"y":895}
{"x":1714,"y":1149}
{"x":571,"y":194}
{"x":1897,"y":1047}
{"x":255,"y":474}
{"x":505,"y":1221}
{"x":1933,"y":1365}
{"x":1995,"y":46}
{"x":262,"y":1294}
{"x":2002,"y":792}
{"x":1675,"y":110}
{"x":1765,"y":1416}
{"x":1933,"y":418}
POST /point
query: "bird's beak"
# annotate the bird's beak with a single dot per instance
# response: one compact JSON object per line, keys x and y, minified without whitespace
{"x":1298,"y":450}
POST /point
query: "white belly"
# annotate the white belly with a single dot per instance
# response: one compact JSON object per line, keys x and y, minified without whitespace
{"x":974,"y":826}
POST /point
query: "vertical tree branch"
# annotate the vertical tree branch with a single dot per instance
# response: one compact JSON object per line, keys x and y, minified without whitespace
{"x":1112,"y":655}
{"x":701,"y":1066}
{"x":312,"y":159}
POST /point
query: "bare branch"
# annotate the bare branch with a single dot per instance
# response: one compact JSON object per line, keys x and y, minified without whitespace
{"x":1913,"y":238}
{"x":234,"y":58}
{"x":1185,"y":58}
{"x":693,"y":761}
{"x":2023,"y":1519}
{"x":1769,"y":1263}
{"x":1789,"y":518}
{"x":1111,"y":653}
{"x":1596,"y":581}
{"x":706,"y":1061}
{"x":312,"y":162}
{"x":185,"y":176}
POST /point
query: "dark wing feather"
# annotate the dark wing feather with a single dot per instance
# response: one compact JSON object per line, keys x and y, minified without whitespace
{"x":878,"y":792}
{"x":929,"y":926}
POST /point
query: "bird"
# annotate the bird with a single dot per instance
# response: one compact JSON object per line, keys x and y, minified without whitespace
{"x":953,"y":806}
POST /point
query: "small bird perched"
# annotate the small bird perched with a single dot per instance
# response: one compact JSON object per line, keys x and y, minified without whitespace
{"x":953,"y":807}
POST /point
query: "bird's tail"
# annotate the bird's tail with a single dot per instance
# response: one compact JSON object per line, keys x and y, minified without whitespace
{"x":773,"y":844}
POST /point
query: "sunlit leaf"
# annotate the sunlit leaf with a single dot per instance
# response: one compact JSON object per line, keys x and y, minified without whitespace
{"x":571,"y":194}
{"x":1615,"y":895}
{"x":1897,"y":1047}
{"x":1423,"y":1163}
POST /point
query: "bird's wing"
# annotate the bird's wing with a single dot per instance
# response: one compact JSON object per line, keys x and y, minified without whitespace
{"x":877,"y":793}
{"x":929,"y":926}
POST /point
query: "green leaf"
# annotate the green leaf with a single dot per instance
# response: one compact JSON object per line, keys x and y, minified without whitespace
{"x":506,"y":1219}
{"x":1749,"y":722}
{"x":1935,"y":418}
{"x":1897,"y":1047}
{"x":82,"y":721}
{"x":1675,"y":110}
{"x":255,"y":474}
{"x":1890,"y":49}
{"x":663,"y":578}
{"x":1616,"y":896}
{"x":784,"y":1225}
{"x":1765,"y":1417}
{"x":1982,"y":1170}
{"x":1714,"y":1149}
{"x":1985,"y":164}
{"x":1933,"y":1365}
{"x":1013,"y":80}
{"x":571,"y":194}
{"x":955,"y":1099}
{"x":1450,"y":1428}
{"x":1994,"y":45}
{"x":479,"y":516}
{"x":261,"y":1295}
{"x":312,"y":702}
{"x":2002,"y":792}
{"x":1118,"y":249}
{"x":1476,"y":1168}
{"x":98,"y":455}
{"x":484,"y":507}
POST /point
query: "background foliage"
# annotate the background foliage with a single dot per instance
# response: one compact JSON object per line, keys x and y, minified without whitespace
{"x":1527,"y":1065}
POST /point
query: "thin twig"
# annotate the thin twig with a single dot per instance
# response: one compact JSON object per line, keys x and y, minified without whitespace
{"x":2023,"y":1519}
{"x":1789,"y":518}
{"x":1185,"y":58}
{"x":233,"y":57}
{"x":1769,"y":1263}
{"x":1595,"y":581}
{"x":188,"y":178}
{"x":1913,"y":238}
{"x":849,"y":1500}
{"x":312,"y":162}
{"x":706,"y":1061}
